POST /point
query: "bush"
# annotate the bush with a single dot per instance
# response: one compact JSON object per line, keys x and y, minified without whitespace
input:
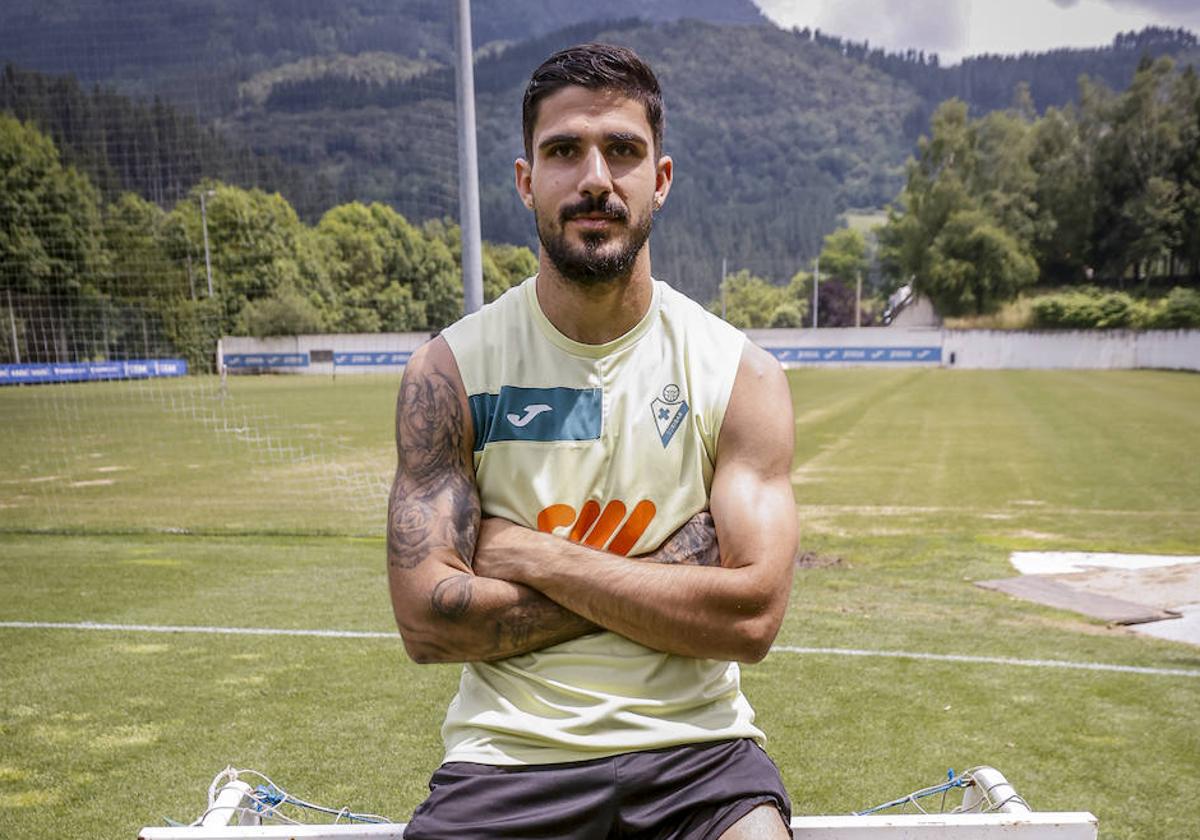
{"x":287,"y":312}
{"x":1181,"y":310}
{"x":193,"y":327}
{"x":787,"y":314}
{"x":1087,"y":310}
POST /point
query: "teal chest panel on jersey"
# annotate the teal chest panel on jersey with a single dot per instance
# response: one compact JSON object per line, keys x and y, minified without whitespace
{"x":536,"y":414}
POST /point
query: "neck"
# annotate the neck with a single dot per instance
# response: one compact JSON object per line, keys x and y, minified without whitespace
{"x":595,"y":314}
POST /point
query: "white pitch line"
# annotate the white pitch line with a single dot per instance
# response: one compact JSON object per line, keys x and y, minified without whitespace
{"x":808,"y":651}
{"x":991,"y":660}
{"x":219,"y":631}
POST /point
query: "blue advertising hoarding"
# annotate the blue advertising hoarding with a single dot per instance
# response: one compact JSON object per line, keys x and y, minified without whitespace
{"x":265,"y":360}
{"x":857,"y":355}
{"x":37,"y":374}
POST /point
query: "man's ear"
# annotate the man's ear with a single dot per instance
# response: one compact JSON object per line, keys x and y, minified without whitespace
{"x":523,"y":171}
{"x":663,"y":171}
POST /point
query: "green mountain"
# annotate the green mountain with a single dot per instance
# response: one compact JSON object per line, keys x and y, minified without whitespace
{"x":774,"y":132}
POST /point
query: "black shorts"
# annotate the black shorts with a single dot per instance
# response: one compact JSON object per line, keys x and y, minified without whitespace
{"x":691,"y":792}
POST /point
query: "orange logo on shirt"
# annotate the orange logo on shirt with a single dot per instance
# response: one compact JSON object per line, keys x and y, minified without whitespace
{"x":595,"y":527}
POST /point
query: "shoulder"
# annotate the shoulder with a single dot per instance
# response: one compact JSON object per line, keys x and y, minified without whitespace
{"x":472,"y":339}
{"x":676,"y":305}
{"x":508,"y":305}
{"x":759,"y":418}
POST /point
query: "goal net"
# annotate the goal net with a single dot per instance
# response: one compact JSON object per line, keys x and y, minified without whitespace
{"x":170,"y":176}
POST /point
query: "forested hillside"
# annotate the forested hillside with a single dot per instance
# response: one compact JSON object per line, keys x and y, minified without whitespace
{"x":774,"y":132}
{"x":150,"y":46}
{"x":149,"y":148}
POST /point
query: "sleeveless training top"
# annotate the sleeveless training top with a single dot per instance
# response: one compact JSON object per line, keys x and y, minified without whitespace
{"x":613,"y":445}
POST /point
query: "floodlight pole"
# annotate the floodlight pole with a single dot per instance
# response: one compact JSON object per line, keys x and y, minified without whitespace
{"x":816,"y":284}
{"x":724,"y":274}
{"x":204,"y":226}
{"x":468,"y":168}
{"x":858,"y":302}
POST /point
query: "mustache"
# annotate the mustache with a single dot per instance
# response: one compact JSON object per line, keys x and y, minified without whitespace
{"x":608,"y":205}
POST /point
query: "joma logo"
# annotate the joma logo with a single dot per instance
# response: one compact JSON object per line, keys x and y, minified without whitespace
{"x":596,"y":527}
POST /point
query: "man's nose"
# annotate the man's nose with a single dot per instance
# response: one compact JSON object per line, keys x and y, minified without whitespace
{"x":596,"y":179}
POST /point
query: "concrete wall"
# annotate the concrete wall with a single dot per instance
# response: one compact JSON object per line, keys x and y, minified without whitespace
{"x":848,"y":347}
{"x":352,"y":353}
{"x":1082,"y":349}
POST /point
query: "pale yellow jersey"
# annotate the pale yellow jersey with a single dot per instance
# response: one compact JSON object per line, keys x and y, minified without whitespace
{"x":612,"y":445}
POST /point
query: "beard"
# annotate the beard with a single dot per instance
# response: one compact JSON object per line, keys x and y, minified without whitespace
{"x":592,"y":264}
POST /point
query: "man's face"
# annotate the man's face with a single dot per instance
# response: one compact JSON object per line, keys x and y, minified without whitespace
{"x":594,"y":182}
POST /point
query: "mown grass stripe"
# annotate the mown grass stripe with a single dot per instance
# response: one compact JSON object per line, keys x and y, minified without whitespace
{"x":809,"y":651}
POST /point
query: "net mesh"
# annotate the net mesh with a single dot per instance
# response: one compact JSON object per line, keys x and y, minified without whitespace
{"x":174,"y":173}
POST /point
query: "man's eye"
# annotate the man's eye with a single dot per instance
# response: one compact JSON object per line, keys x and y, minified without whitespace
{"x":561,"y":151}
{"x":622,"y":150}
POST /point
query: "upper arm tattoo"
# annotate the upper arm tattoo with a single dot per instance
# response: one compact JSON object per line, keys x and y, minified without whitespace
{"x":694,"y":544}
{"x":434,"y":502}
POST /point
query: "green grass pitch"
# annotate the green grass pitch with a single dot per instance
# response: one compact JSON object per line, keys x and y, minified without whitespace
{"x":175,"y":503}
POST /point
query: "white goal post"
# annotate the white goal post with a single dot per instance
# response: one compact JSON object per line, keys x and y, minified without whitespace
{"x":997,"y":812}
{"x":1032,"y":826}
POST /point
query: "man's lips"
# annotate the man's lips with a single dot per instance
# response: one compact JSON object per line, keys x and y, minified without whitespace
{"x":593,"y":220}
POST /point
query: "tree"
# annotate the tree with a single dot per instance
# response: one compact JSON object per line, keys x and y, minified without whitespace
{"x":257,"y":244}
{"x":504,"y":266}
{"x":139,"y":264}
{"x":50,"y":241}
{"x":1139,"y":213}
{"x":844,"y":256}
{"x":974,"y":266}
{"x":750,"y":302}
{"x":1061,"y":157}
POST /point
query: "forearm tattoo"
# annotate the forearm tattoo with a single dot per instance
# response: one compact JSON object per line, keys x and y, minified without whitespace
{"x":694,"y":544}
{"x":452,"y":596}
{"x":529,"y":618}
{"x":433,"y":503}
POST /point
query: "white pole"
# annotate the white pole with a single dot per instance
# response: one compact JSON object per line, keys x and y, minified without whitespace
{"x":12,"y":321}
{"x":816,"y":283}
{"x":858,"y":302}
{"x":204,"y":225}
{"x":468,"y":168}
{"x":724,"y":273}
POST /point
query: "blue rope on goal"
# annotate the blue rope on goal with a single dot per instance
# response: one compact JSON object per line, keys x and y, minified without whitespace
{"x":951,"y":782}
{"x":268,"y":798}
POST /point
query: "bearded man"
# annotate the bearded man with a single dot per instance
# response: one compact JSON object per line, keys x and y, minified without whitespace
{"x":592,"y":510}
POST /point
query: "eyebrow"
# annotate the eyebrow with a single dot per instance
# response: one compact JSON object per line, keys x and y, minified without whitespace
{"x":614,"y":136}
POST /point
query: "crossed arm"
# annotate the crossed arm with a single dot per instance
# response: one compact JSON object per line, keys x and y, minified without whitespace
{"x":466,"y":589}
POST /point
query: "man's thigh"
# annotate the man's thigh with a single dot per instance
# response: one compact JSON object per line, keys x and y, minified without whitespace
{"x":576,"y":801}
{"x":764,"y":822}
{"x":699,"y":791}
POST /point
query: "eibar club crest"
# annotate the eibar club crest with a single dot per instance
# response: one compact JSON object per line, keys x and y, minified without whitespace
{"x":669,"y":411}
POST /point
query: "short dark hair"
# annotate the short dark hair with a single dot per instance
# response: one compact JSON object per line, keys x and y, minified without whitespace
{"x":596,"y":67}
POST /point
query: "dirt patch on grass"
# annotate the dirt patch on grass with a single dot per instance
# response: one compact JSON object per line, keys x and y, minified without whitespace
{"x":813,"y":560}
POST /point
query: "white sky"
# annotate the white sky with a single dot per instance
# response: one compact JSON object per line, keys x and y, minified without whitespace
{"x":957,"y":28}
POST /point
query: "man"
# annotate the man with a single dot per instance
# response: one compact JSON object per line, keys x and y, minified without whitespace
{"x":592,"y":510}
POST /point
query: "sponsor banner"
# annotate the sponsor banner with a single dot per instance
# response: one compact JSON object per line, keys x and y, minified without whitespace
{"x":90,"y":371}
{"x":857,"y":355}
{"x":365,"y":359}
{"x":265,"y":360}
